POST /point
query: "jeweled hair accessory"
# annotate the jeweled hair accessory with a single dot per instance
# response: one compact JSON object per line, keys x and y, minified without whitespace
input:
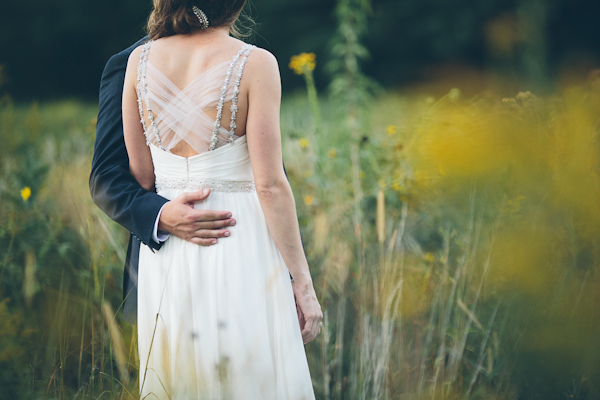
{"x":201,"y":17}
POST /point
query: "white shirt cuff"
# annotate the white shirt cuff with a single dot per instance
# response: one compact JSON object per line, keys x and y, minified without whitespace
{"x":157,"y":235}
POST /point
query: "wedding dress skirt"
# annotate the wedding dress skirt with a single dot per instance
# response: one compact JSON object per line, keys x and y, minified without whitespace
{"x":218,"y":322}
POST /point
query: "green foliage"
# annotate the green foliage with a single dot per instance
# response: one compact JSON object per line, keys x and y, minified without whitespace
{"x":52,"y":269}
{"x":349,"y":82}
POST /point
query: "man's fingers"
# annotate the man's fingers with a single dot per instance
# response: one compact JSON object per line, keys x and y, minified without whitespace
{"x":220,"y":224}
{"x":181,"y":219}
{"x":210,"y":215}
{"x":192,"y":197}
{"x":194,"y":216}
{"x":211,"y":233}
{"x":203,"y":242}
{"x":200,"y":215}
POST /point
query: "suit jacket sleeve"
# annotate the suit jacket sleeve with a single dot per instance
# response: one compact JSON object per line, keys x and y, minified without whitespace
{"x":112,"y":187}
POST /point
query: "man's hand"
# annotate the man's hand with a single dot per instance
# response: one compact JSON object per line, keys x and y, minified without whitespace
{"x":203,"y":227}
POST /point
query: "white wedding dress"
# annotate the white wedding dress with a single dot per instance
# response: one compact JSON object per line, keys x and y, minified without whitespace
{"x":214,"y":322}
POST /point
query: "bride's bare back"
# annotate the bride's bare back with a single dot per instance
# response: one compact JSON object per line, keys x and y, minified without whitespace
{"x":183,"y":82}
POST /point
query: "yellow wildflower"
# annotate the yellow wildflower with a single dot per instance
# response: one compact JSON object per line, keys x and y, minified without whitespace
{"x":304,"y":143}
{"x":332,"y":153}
{"x":396,"y":186}
{"x":391,"y":130}
{"x":26,"y":193}
{"x":309,"y":200}
{"x":303,"y":62}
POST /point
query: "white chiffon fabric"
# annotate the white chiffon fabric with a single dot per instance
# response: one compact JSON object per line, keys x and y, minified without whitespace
{"x":216,"y":322}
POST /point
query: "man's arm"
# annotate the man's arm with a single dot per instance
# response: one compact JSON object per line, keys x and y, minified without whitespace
{"x":116,"y":192}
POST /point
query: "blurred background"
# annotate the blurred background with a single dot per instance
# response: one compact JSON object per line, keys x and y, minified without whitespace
{"x":58,"y":49}
{"x":445,"y":161}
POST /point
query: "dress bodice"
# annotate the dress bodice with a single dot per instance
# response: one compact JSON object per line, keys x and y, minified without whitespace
{"x":226,"y":169}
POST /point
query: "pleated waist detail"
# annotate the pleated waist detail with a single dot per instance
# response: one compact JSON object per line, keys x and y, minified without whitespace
{"x":226,"y":169}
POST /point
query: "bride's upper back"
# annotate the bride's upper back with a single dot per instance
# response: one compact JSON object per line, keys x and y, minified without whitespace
{"x":184,"y":57}
{"x":191,"y":94}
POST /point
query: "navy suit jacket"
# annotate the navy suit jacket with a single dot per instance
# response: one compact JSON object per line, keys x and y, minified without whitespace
{"x":112,"y":187}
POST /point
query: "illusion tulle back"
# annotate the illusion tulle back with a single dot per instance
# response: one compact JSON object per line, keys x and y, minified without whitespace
{"x":172,"y":114}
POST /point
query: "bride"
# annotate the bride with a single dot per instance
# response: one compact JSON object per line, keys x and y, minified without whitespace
{"x":201,"y":112}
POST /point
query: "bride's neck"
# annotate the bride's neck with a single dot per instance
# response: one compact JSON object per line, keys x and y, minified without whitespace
{"x":209,"y":34}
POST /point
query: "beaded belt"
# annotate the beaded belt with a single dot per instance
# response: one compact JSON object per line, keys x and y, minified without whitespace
{"x":199,"y":184}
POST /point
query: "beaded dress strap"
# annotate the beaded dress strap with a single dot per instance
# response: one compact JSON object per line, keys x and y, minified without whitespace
{"x":140,"y":72}
{"x":142,"y":87}
{"x":245,"y":51}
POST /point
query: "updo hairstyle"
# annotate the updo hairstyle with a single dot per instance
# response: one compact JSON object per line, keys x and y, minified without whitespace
{"x":172,"y":17}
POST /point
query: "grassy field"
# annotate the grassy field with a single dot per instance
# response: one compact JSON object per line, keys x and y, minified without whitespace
{"x":453,"y":243}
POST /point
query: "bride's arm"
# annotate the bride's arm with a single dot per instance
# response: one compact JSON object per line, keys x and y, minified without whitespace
{"x":140,"y":159}
{"x":273,"y":189}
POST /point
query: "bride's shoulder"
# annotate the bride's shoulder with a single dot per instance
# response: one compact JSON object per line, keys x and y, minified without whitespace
{"x":134,"y":57}
{"x":262,"y":75}
{"x":260,"y":54}
{"x":135,"y":54}
{"x":262,"y":61}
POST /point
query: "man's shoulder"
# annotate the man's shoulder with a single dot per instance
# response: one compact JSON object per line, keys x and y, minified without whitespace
{"x":126,"y":52}
{"x":122,"y":56}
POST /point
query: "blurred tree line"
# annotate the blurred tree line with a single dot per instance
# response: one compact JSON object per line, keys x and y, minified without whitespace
{"x":58,"y":49}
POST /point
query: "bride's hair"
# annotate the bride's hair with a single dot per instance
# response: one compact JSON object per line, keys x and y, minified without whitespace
{"x":172,"y":17}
